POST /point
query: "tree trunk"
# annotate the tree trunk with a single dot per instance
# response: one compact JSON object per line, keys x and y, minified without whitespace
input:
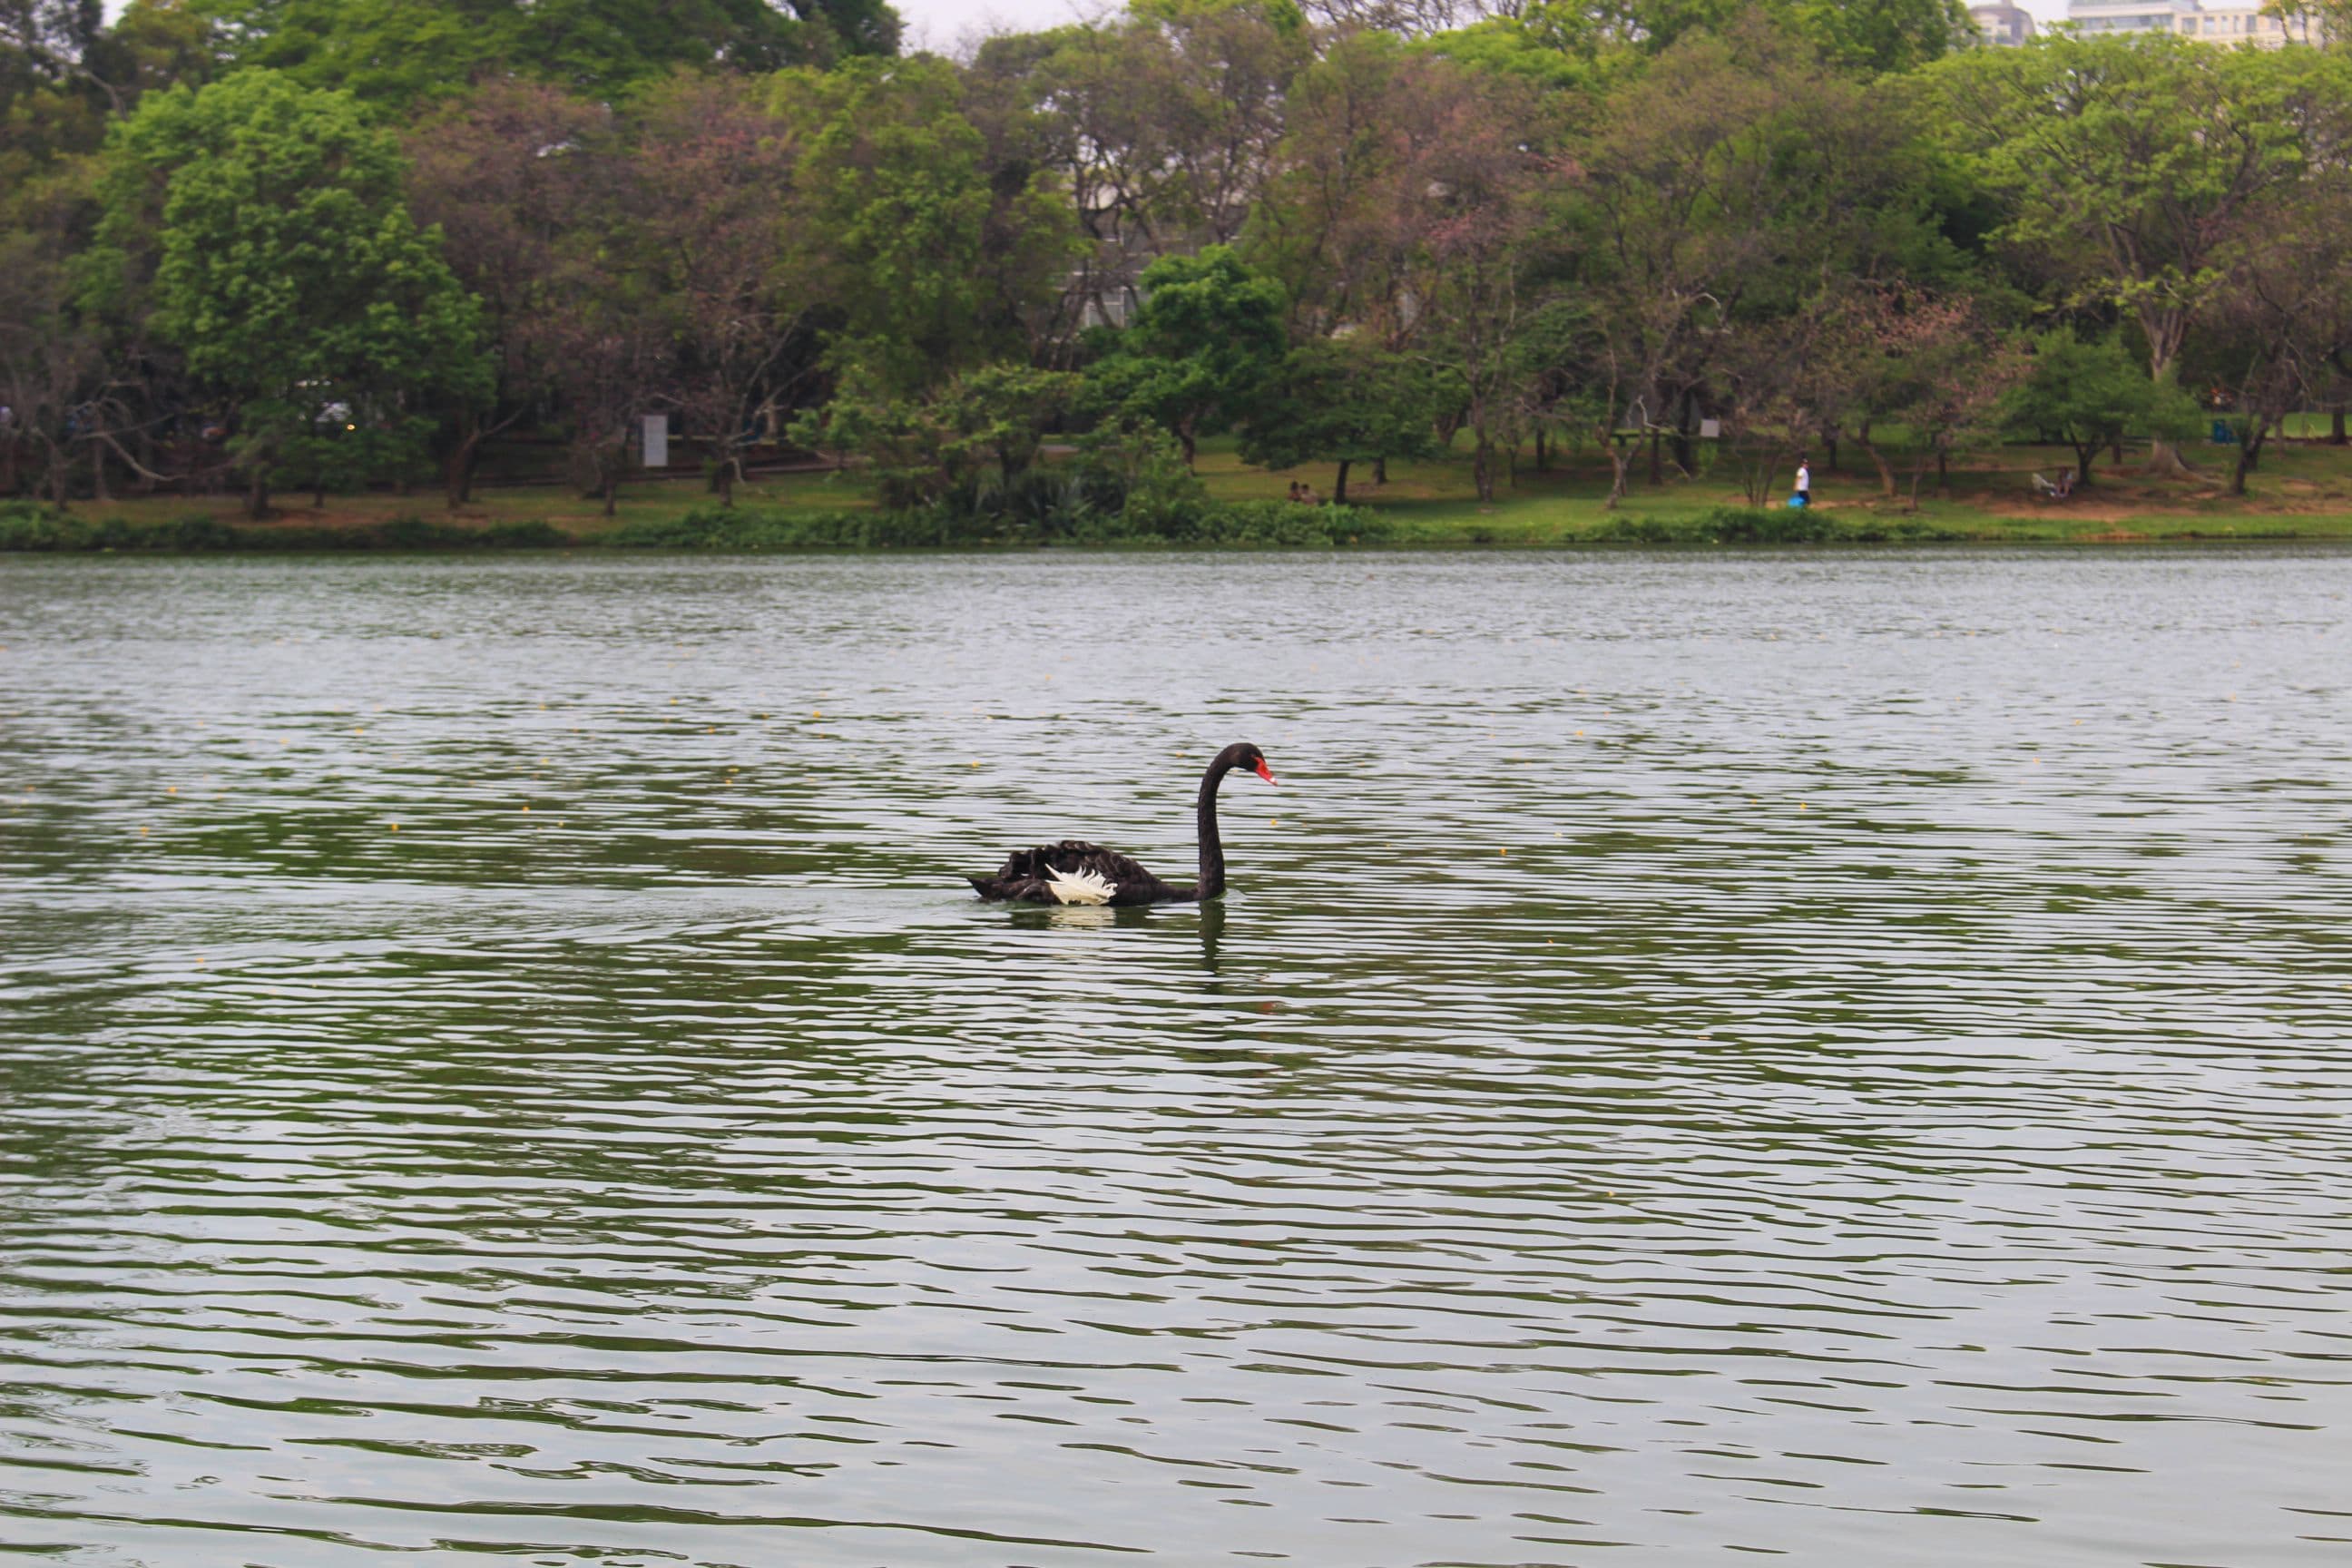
{"x":1943,"y":476}
{"x":1379,"y":471}
{"x":2082,"y":456}
{"x":2164,"y":459}
{"x":1886,"y":469}
{"x":1482,"y":470}
{"x":2335,"y":437}
{"x":1617,"y":466}
{"x":257,"y":495}
{"x":611,"y":494}
{"x":1339,"y":486}
{"x":1657,"y":458}
{"x":1543,"y":459}
{"x":458,"y":473}
{"x":1184,"y":438}
{"x":726,"y":478}
{"x":2249,"y":452}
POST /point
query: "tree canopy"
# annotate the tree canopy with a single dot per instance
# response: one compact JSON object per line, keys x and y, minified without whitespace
{"x":325,"y":240}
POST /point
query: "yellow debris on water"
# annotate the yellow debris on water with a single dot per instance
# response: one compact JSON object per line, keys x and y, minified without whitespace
{"x":394,"y":825}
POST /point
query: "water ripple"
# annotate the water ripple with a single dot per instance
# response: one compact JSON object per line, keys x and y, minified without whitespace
{"x":1837,"y":1055}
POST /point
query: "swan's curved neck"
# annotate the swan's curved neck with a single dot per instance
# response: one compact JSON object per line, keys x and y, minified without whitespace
{"x":1213,"y":848}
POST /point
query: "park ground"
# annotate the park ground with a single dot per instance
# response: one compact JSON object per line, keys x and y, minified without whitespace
{"x":2303,"y":490}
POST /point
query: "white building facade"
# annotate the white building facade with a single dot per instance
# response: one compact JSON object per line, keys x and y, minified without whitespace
{"x":2236,"y":22}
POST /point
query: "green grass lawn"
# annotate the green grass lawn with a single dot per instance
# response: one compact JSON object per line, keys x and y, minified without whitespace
{"x":2303,"y":490}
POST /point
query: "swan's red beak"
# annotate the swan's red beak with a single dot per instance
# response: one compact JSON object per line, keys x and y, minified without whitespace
{"x":1265,"y":772}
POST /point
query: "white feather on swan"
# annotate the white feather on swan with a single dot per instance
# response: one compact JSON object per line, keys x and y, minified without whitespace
{"x":1079,"y":886}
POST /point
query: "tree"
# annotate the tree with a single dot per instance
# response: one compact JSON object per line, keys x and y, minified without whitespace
{"x":1345,"y":403}
{"x":520,"y":179}
{"x":2279,"y":335}
{"x":396,"y":51}
{"x":1859,"y":37}
{"x":1206,"y":339}
{"x":713,"y":169}
{"x":2088,"y":394}
{"x":922,"y":257}
{"x":992,"y":420}
{"x":1931,"y":365}
{"x":263,"y":227}
{"x":2136,"y":169}
{"x":1157,"y":127}
{"x":50,"y":367}
{"x":1713,"y":195}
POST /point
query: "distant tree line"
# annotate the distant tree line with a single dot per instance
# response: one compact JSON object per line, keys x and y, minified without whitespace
{"x":328,"y":243}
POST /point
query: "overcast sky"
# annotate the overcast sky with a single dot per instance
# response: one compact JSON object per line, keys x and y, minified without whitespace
{"x":940,"y":24}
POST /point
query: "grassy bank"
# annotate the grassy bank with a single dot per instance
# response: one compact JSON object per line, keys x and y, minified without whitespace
{"x":2304,"y":491}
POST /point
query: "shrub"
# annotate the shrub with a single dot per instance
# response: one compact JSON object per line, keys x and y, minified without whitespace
{"x":755,"y":528}
{"x":25,"y":527}
{"x":1768,"y":525}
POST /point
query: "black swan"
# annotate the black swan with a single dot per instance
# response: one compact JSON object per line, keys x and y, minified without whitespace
{"x":1076,"y":873}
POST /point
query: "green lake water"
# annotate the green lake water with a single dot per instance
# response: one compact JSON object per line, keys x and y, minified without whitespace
{"x":1845,"y":1056}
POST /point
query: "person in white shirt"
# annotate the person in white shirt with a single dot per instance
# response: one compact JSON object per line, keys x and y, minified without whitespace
{"x":1804,"y":483}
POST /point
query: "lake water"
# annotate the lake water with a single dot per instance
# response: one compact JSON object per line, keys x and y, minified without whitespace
{"x":1836,"y":1055}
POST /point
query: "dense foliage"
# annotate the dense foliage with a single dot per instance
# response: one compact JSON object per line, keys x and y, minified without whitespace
{"x":332,"y":244}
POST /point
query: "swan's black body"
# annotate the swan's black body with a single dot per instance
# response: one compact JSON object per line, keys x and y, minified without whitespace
{"x":1030,"y":876}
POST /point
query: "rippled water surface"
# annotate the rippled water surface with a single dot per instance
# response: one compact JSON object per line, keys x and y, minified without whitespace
{"x":1835,"y":1055}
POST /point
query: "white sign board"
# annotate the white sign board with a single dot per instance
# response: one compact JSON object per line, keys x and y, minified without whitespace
{"x":657,"y":454}
{"x":1708,"y":429}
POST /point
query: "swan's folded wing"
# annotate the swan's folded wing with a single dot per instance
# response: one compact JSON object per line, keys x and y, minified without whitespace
{"x":1082,"y":886}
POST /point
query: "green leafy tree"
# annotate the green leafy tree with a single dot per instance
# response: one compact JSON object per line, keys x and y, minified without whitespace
{"x":1208,"y":337}
{"x":398,"y":51}
{"x":262,"y":227}
{"x":1867,"y":37}
{"x":993,"y":420}
{"x":1345,"y":404}
{"x":2088,"y":394}
{"x":1157,"y":127}
{"x":2137,"y":170}
{"x":923,"y":253}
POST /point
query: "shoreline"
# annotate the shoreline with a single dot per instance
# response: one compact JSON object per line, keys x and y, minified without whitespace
{"x":81,"y":535}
